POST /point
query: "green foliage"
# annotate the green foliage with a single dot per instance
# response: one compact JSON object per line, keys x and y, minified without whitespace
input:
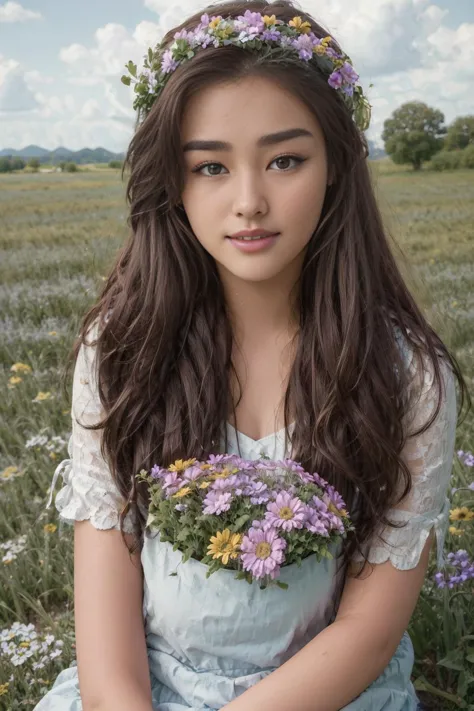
{"x":460,"y":133}
{"x":34,"y":164}
{"x":413,"y":134}
{"x":467,"y":157}
{"x":446,"y":160}
{"x":71,"y":167}
{"x":115,"y":164}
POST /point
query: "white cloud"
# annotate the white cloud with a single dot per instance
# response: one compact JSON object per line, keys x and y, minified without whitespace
{"x":15,"y":95}
{"x":14,"y":12}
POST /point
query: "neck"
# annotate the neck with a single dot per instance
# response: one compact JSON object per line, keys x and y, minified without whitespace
{"x":259,"y":310}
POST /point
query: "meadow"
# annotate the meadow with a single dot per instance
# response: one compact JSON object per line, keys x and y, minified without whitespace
{"x":58,"y":237}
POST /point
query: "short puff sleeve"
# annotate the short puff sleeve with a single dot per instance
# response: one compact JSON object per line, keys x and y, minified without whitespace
{"x":89,"y":491}
{"x":429,"y":456}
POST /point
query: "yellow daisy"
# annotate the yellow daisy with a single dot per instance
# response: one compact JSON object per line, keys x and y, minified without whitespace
{"x":223,"y":474}
{"x":455,"y":531}
{"x":215,"y":23}
{"x":42,"y":396}
{"x":181,"y":464}
{"x":224,"y":545}
{"x":204,"y":484}
{"x":461,"y":514}
{"x":15,"y":379}
{"x":182,"y":492}
{"x":9,"y":472}
{"x":20,"y":368}
{"x":303,"y":27}
{"x":50,"y":528}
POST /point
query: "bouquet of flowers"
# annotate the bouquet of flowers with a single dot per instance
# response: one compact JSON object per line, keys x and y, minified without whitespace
{"x":251,"y":516}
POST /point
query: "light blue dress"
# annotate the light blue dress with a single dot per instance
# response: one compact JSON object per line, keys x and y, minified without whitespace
{"x":209,"y":640}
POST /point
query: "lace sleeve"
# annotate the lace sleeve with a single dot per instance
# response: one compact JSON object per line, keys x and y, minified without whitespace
{"x":89,"y":492}
{"x":429,"y":457}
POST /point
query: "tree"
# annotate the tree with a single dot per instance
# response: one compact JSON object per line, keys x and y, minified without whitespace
{"x":18,"y":163}
{"x":414,"y":133}
{"x":460,"y":133}
{"x":71,"y":167}
{"x":34,"y":164}
{"x":5,"y":165}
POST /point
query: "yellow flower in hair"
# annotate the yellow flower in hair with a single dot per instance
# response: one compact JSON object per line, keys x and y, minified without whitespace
{"x":326,"y":41}
{"x":461,"y":514}
{"x":269,"y":20}
{"x":455,"y":531}
{"x":204,"y":484}
{"x":215,"y":23}
{"x":181,"y":464}
{"x":303,"y":27}
{"x":225,"y":545}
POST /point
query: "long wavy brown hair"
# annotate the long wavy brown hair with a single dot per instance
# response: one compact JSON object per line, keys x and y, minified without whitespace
{"x":165,"y":339}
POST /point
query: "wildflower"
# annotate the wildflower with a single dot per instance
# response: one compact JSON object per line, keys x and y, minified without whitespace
{"x":262,"y":552}
{"x":461,"y":514}
{"x":286,"y":512}
{"x":300,"y":26}
{"x":182,"y":492}
{"x":168,"y":64}
{"x":52,"y":333}
{"x":269,"y":20}
{"x":50,"y":528}
{"x":10,"y":473}
{"x":15,"y":380}
{"x":4,"y":688}
{"x":180,"y":465}
{"x":20,"y":368}
{"x":216,"y":502}
{"x":12,"y":549}
{"x":41,"y":396}
{"x":455,"y":531}
{"x":225,"y":545}
{"x":37,"y":441}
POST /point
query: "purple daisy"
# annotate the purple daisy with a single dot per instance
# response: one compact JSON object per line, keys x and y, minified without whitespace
{"x":336,"y":80}
{"x":262,"y":552}
{"x":315,"y":523}
{"x":168,"y":64}
{"x":158,"y":472}
{"x":171,"y":483}
{"x":216,"y":502}
{"x":286,"y":512}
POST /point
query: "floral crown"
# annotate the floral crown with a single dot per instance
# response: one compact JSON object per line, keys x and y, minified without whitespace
{"x":254,"y":32}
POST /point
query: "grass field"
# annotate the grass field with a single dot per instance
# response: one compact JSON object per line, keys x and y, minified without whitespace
{"x":58,"y":236}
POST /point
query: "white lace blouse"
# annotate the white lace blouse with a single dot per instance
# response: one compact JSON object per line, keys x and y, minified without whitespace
{"x":89,"y":492}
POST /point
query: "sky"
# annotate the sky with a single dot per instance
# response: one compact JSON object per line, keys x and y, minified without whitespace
{"x":61,"y":62}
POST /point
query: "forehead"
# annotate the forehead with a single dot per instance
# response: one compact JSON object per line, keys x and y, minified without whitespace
{"x":248,"y":107}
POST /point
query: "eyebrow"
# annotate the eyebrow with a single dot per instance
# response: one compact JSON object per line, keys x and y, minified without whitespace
{"x":270,"y":139}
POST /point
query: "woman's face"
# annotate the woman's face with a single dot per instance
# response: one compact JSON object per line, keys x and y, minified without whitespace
{"x":276,"y":184}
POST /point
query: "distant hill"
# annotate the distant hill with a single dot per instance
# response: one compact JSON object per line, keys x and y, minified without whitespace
{"x":86,"y":155}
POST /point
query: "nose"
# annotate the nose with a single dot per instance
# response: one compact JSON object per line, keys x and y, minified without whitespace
{"x":249,"y":197}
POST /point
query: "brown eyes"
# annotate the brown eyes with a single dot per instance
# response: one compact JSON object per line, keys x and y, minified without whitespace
{"x":282,"y":162}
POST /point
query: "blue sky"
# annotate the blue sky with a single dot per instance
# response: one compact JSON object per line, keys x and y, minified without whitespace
{"x":61,"y":62}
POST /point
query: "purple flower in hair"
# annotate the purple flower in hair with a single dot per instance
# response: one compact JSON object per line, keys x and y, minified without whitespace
{"x":304,"y":44}
{"x":336,"y":80}
{"x":349,"y":74}
{"x":171,"y":483}
{"x":271,"y":35}
{"x":168,"y":64}
{"x":252,"y":20}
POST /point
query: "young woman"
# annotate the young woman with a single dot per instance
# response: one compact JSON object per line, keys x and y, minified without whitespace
{"x":305,"y":343}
